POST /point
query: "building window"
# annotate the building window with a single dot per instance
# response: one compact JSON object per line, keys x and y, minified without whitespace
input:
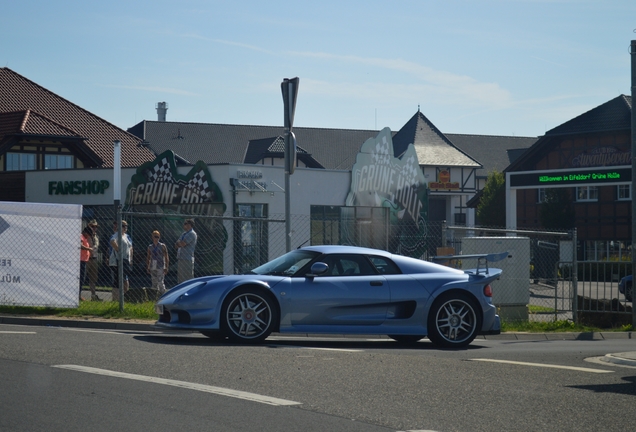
{"x":624,"y":192}
{"x":20,"y":161}
{"x":52,"y":162}
{"x":586,"y":193}
{"x":540,"y":195}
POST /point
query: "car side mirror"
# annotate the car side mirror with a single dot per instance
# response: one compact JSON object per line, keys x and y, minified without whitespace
{"x":317,"y":269}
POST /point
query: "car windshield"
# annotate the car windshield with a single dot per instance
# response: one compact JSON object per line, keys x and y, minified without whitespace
{"x":286,"y":265}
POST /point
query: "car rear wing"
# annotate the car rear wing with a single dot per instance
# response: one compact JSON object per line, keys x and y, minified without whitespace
{"x":482,"y":259}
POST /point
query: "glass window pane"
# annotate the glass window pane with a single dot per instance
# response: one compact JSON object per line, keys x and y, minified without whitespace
{"x":593,"y":193}
{"x":68,"y":161}
{"x":50,"y":162}
{"x":13,"y":162}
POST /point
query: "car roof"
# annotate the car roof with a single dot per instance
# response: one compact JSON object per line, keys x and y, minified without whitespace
{"x":347,"y":249}
{"x":406,"y":264}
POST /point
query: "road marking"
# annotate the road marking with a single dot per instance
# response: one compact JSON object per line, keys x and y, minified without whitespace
{"x":16,"y":332}
{"x":183,"y":384}
{"x":314,"y":348}
{"x":113,"y":331}
{"x":544,"y":365}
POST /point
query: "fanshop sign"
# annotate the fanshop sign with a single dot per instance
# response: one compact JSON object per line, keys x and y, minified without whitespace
{"x":83,"y":187}
{"x":379,"y":179}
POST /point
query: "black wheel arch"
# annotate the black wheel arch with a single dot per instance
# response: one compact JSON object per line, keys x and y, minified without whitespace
{"x":476,"y":303}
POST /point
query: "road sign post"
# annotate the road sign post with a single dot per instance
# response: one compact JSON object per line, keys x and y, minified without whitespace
{"x":289,"y":88}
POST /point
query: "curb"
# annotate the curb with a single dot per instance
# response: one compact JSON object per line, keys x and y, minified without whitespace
{"x":620,"y":359}
{"x":149,"y":326}
{"x":104,"y":325}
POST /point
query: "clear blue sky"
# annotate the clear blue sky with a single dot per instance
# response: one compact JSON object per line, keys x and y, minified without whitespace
{"x":496,"y":67}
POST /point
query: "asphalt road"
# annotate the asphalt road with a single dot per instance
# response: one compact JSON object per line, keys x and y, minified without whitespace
{"x":57,"y":378}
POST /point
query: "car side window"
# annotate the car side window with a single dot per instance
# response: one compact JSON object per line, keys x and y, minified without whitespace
{"x":356,"y":265}
{"x":348,"y":265}
{"x":384,"y":265}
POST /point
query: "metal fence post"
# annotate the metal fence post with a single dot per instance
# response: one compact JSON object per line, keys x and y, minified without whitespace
{"x":575,"y":277}
{"x":120,"y":260}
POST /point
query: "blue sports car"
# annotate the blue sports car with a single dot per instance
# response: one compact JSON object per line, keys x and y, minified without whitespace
{"x":341,"y":290}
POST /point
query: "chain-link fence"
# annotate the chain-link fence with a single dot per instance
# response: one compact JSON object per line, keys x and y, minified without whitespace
{"x":538,"y":281}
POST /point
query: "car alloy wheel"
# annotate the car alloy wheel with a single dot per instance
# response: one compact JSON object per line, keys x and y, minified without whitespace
{"x":248,"y":316}
{"x":453,"y":321}
{"x":628,"y":292}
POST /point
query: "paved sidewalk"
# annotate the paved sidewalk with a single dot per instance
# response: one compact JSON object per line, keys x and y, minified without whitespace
{"x":624,"y":359}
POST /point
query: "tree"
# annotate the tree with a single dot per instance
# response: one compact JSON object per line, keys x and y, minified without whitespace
{"x":557,"y":210}
{"x":491,"y":210}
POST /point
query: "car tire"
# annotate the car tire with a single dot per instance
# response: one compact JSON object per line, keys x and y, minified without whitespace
{"x":628,"y":291}
{"x":453,"y":321}
{"x":406,"y":339}
{"x":248,"y":316}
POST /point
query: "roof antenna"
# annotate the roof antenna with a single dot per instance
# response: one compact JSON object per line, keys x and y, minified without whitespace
{"x":418,"y":107}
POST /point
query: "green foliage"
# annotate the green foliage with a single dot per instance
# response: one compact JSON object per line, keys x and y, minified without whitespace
{"x":89,"y":309}
{"x":541,"y":327}
{"x":491,"y":210}
{"x":549,"y":327}
{"x":557,"y":211}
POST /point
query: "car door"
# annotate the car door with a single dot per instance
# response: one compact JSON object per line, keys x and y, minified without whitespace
{"x":351,"y":292}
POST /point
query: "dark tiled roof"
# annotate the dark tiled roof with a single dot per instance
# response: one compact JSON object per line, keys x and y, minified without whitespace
{"x":31,"y":123}
{"x":328,"y":148}
{"x":433,"y":148}
{"x":495,"y":153}
{"x":28,"y":124}
{"x":612,"y":115}
{"x":20,"y":94}
{"x":225,"y":143}
{"x":259,"y":149}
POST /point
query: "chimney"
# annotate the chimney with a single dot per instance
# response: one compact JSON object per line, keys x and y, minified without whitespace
{"x":162,"y":108}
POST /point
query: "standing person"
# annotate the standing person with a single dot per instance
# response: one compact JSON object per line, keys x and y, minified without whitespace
{"x":92,"y":266}
{"x":126,"y":251}
{"x":85,"y":253}
{"x":185,"y":252}
{"x":157,"y":262}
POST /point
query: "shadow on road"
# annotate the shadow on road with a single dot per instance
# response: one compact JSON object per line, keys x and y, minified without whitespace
{"x":275,"y":342}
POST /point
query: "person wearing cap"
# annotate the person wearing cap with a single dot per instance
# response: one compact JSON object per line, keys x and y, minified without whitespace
{"x":92,"y":265}
{"x":185,"y":252}
{"x":126,"y":250}
{"x":157,"y":262}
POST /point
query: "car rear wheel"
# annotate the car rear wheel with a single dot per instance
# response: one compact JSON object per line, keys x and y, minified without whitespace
{"x":406,"y":339}
{"x":628,"y":291}
{"x":453,"y":321}
{"x":248,"y":316}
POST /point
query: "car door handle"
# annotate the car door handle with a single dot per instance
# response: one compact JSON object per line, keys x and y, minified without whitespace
{"x":376,"y":283}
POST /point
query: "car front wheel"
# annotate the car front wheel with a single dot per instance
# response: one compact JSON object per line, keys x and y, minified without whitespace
{"x":453,"y":321}
{"x":628,"y":291}
{"x":248,"y":316}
